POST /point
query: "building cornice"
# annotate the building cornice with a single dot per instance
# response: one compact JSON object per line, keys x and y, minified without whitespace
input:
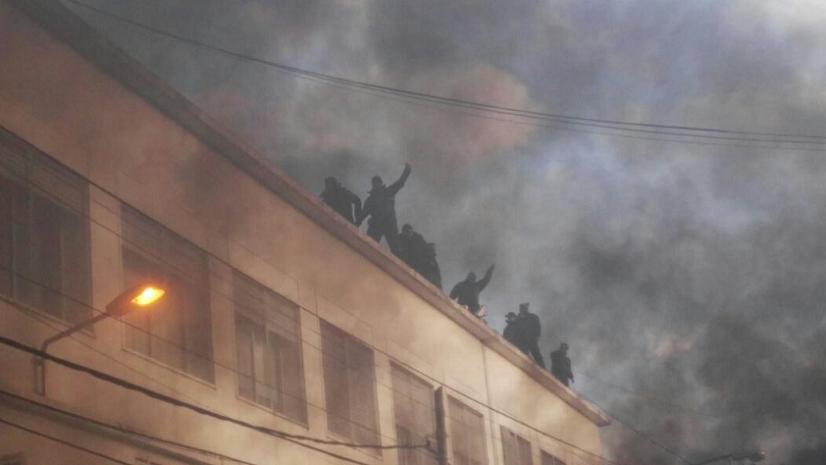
{"x":96,"y":48}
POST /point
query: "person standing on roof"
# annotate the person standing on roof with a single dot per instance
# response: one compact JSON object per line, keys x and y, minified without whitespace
{"x":530,"y":329}
{"x":380,"y":206}
{"x":412,"y":248}
{"x":430,"y":267}
{"x":467,"y":292}
{"x":561,"y":365}
{"x":340,"y":199}
{"x":511,"y":331}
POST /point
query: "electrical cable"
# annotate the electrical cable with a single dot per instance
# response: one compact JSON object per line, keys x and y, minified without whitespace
{"x":295,"y":438}
{"x":119,"y":429}
{"x":406,"y":366}
{"x":633,"y":127}
{"x":64,"y":442}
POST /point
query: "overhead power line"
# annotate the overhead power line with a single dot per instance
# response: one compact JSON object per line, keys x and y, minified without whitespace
{"x":64,"y":442}
{"x":128,"y":385}
{"x":689,"y":134}
{"x":119,"y":429}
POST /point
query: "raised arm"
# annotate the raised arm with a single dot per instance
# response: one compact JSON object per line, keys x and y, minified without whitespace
{"x":482,"y":283}
{"x":392,"y":189}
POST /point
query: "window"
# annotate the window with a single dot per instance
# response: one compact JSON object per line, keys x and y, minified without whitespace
{"x":548,"y":459}
{"x":177,"y":331}
{"x":467,"y":434}
{"x":269,"y":349}
{"x":516,"y":450}
{"x":414,"y":405}
{"x":44,"y":238}
{"x":349,"y":385}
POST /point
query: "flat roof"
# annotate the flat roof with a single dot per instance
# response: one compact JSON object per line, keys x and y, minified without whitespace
{"x":98,"y":49}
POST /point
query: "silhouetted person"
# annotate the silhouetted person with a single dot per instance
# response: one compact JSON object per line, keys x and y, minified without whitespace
{"x":511,"y":331}
{"x":340,"y":199}
{"x":412,"y":248}
{"x":430,"y":267}
{"x":380,"y":206}
{"x":467,"y":292}
{"x":530,"y":329}
{"x":561,"y":365}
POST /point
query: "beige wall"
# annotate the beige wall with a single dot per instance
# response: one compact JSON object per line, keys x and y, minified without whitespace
{"x":130,"y":152}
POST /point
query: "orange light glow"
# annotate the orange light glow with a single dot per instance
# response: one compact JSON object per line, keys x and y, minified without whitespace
{"x":148,"y":296}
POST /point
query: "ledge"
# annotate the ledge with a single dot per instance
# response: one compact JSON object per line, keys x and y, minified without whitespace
{"x":93,"y":46}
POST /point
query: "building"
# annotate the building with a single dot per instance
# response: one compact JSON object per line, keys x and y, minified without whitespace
{"x":278,"y":314}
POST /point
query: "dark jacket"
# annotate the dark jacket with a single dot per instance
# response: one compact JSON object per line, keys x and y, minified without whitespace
{"x":413,"y":251}
{"x":561,"y":366}
{"x":511,"y":334}
{"x":530,"y":327}
{"x":380,"y":204}
{"x":432,"y":273}
{"x":344,"y":202}
{"x":467,"y":293}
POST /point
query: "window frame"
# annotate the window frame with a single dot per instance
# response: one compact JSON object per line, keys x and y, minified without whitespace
{"x":33,"y":159}
{"x":167,"y":268}
{"x":396,"y":366}
{"x":259,"y":317}
{"x":373,"y":388}
{"x":519,"y":442}
{"x":451,"y":401}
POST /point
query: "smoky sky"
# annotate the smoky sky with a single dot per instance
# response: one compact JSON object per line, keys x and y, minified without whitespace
{"x":687,"y":278}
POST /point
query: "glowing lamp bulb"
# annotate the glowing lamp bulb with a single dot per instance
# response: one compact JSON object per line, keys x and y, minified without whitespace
{"x":148,"y":296}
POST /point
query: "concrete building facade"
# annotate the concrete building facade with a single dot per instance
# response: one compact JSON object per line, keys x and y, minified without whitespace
{"x":278,"y":314}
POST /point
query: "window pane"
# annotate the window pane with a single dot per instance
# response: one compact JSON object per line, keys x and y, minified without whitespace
{"x":276,"y":354}
{"x":349,"y":384}
{"x":244,"y":340}
{"x":179,"y":326}
{"x":44,"y":245}
{"x":6,"y":195}
{"x":336,"y":383}
{"x":516,"y":450}
{"x":289,"y":378}
{"x":467,"y":432}
{"x":414,"y":405}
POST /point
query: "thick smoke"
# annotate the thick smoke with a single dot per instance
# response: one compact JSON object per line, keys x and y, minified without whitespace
{"x":688,"y":279}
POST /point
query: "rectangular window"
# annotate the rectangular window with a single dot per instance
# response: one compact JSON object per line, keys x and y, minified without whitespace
{"x":177,"y":331}
{"x":467,"y":434}
{"x":414,"y":405}
{"x":516,"y":450}
{"x":548,"y":459}
{"x":44,"y":236}
{"x":268,"y":342}
{"x":350,"y":386}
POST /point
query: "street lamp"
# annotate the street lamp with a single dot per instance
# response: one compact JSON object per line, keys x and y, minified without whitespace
{"x":140,"y":297}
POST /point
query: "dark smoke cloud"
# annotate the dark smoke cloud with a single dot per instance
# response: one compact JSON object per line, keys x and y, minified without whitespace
{"x":688,"y":279}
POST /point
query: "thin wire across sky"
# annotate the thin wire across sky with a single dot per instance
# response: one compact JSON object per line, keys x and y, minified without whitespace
{"x":597,"y":126}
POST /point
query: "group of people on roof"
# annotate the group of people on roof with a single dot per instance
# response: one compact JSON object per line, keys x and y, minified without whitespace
{"x":380,"y":207}
{"x":523,"y":329}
